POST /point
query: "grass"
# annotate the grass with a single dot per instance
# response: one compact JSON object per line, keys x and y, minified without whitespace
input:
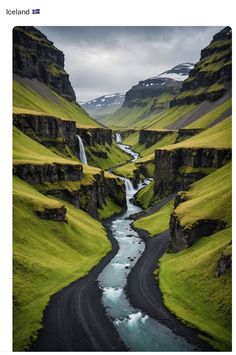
{"x":115,"y":156}
{"x":207,"y":119}
{"x":169,"y":116}
{"x":108,"y":209}
{"x":157,"y":222}
{"x":27,"y":150}
{"x":145,"y":195}
{"x":188,"y":279}
{"x":218,"y":136}
{"x":192,"y":291}
{"x":214,"y":187}
{"x":48,"y":255}
{"x":29,"y":100}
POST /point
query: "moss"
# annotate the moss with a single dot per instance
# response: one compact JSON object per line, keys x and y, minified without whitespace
{"x":108,"y":209}
{"x":194,"y":294}
{"x":156,"y":223}
{"x":26,"y":100}
{"x":145,"y":195}
{"x":48,"y":255}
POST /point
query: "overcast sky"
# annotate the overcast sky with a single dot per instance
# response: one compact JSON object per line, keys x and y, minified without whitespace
{"x":104,"y":60}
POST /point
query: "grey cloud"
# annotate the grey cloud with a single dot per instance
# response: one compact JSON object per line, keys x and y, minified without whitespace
{"x":102,"y":60}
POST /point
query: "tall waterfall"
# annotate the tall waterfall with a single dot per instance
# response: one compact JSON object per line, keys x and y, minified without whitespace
{"x":118,"y":138}
{"x":82,"y":154}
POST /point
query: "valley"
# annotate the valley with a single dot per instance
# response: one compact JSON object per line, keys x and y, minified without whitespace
{"x":122,"y":217}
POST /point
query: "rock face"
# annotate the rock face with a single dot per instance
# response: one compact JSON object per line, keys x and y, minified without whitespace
{"x":49,"y":131}
{"x":212,"y":75}
{"x":34,"y":56}
{"x":40,"y":173}
{"x":53,"y":214}
{"x":182,"y":237}
{"x":168,"y":175}
{"x":90,"y":197}
{"x":185,"y":133}
{"x":94,"y":136}
{"x":150,"y":88}
{"x":224,"y":265}
{"x":168,"y":83}
{"x":149,"y":137}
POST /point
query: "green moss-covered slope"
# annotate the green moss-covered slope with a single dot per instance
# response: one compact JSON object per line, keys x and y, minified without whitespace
{"x":188,"y":279}
{"x":48,"y":255}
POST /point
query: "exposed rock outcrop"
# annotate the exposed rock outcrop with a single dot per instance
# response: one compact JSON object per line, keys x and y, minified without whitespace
{"x":212,"y":75}
{"x":185,"y":133}
{"x":90,"y":197}
{"x":150,"y":137}
{"x":182,"y":237}
{"x":40,"y":173}
{"x":49,"y":131}
{"x":53,"y":214}
{"x":169,"y":175}
{"x":34,"y":56}
{"x":92,"y":136}
{"x":224,"y":265}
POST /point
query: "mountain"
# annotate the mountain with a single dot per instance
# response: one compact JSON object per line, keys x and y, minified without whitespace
{"x":179,"y":72}
{"x":211,"y":77}
{"x":149,"y":97}
{"x":103,"y":105}
{"x":41,"y":83}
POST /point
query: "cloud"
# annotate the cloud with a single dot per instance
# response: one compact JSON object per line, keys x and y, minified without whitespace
{"x":102,"y":60}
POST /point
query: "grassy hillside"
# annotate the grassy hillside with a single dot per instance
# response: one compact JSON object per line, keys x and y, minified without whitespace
{"x":218,"y":136}
{"x":192,"y":291}
{"x":48,"y":255}
{"x":34,"y":97}
{"x":156,"y":223}
{"x":188,"y":278}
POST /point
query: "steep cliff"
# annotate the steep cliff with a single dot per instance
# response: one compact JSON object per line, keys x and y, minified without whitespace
{"x":34,"y":56}
{"x":148,"y":98}
{"x":212,"y":75}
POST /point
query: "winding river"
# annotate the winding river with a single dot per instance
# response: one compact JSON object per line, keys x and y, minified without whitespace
{"x":138,"y":330}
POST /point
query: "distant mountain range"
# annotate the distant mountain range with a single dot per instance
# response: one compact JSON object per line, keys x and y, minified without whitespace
{"x":104,"y":105}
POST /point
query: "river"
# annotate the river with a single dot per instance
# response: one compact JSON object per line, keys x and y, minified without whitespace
{"x":138,"y":330}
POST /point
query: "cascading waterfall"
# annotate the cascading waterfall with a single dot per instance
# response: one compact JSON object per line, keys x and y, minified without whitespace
{"x":82,"y":154}
{"x":118,"y":138}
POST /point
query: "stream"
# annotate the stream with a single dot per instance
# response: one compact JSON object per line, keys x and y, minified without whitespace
{"x":138,"y":330}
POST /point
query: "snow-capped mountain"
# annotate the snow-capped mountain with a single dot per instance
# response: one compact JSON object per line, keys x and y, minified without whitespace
{"x":180,"y":72}
{"x":169,"y":82}
{"x":104,"y":105}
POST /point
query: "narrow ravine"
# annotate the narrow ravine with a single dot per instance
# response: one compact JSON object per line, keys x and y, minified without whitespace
{"x":138,"y":330}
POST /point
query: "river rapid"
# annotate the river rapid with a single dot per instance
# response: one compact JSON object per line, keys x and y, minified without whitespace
{"x":138,"y":330}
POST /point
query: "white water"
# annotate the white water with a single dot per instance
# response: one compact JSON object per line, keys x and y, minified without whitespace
{"x":82,"y":154}
{"x":118,"y":138}
{"x":138,"y":330}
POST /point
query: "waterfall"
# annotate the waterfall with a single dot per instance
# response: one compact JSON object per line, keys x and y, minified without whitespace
{"x":129,"y":186}
{"x":82,"y":154}
{"x":118,"y":138}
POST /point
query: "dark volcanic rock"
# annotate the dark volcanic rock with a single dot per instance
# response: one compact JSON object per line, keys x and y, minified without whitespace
{"x":153,"y":87}
{"x":182,"y":238}
{"x":49,"y":131}
{"x":224,"y":265}
{"x":90,"y":197}
{"x":150,"y":137}
{"x":34,"y":56}
{"x":53,"y":214}
{"x":168,"y":177}
{"x":214,"y":69}
{"x":92,"y":136}
{"x":40,"y":173}
{"x":185,"y":133}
